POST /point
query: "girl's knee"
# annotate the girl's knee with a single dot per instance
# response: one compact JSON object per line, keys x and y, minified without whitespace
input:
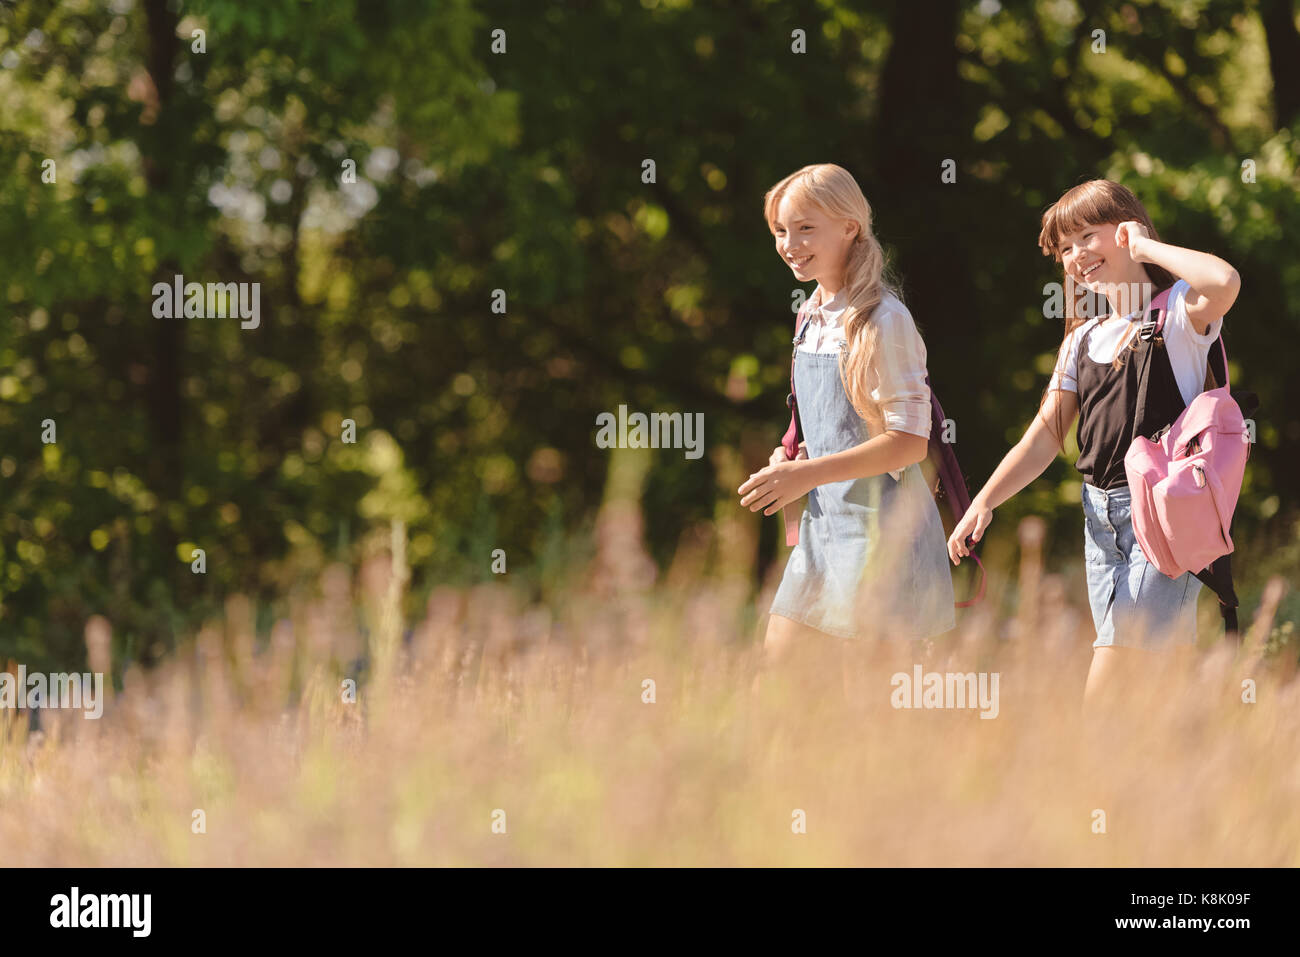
{"x":793,"y":644}
{"x":1109,"y":665}
{"x":781,"y":637}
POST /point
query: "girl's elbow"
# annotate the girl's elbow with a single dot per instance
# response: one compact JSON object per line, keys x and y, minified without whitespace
{"x":918,"y":447}
{"x":1228,"y":280}
{"x":1229,"y":287}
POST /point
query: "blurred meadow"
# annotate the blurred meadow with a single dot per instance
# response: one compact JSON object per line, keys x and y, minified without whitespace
{"x":502,"y":733}
{"x":445,"y":205}
{"x":505,"y":734}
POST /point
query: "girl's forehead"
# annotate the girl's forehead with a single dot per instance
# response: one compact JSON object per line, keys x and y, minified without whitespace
{"x":793,"y":210}
{"x":1064,"y":232}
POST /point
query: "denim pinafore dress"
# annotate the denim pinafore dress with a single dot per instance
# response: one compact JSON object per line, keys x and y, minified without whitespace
{"x":872,"y":558}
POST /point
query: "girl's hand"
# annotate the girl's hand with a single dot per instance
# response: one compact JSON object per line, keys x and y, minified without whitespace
{"x":778,"y":455}
{"x":973,"y":523}
{"x":777,"y":485}
{"x":1129,"y":235}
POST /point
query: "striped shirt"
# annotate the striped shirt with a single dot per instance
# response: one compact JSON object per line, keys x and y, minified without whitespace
{"x":898,"y":362}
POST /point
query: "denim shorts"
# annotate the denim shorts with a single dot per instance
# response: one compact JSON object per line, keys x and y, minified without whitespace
{"x":1134,"y":604}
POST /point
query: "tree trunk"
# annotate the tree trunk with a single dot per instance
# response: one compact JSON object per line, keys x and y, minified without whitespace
{"x":1283,"y":58}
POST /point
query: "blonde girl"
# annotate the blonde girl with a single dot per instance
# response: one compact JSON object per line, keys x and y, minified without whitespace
{"x":870,"y":559}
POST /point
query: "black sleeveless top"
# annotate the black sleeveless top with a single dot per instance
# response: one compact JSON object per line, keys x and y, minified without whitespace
{"x":1109,"y":413}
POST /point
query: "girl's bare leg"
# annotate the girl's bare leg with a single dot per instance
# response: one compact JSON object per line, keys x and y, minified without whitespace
{"x":1102,"y":674}
{"x":857,"y":671}
{"x":788,"y":643}
{"x":782,"y":638}
{"x":1115,"y":669}
{"x":778,"y":644}
{"x":1119,"y":673}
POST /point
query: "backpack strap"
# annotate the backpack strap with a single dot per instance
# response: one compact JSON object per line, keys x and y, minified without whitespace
{"x":1210,"y":381}
{"x":1153,"y":323}
{"x":1153,"y":318}
{"x":794,"y":434}
{"x":1217,"y":576}
{"x":951,"y":481}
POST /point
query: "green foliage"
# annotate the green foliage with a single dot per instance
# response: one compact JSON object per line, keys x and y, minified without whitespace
{"x":478,"y":171}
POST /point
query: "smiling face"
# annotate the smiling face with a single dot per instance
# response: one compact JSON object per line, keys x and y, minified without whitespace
{"x":1091,"y":258}
{"x":1078,"y":230}
{"x":813,"y":245}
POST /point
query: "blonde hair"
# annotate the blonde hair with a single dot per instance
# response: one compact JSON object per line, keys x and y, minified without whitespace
{"x":1089,"y":204}
{"x":834,"y":191}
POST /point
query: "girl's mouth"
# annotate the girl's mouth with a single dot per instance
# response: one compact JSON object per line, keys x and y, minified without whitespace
{"x":1092,"y":269}
{"x":800,"y":263}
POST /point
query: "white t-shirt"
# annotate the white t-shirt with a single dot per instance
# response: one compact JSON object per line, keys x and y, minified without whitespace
{"x":1188,"y":350}
{"x":899,"y":359}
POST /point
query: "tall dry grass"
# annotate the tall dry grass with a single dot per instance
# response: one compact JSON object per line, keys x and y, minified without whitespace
{"x":540,"y":719}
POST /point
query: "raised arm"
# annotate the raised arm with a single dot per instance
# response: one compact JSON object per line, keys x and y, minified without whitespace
{"x":1214,"y":283}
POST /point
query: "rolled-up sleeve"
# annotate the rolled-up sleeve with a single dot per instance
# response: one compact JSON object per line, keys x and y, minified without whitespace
{"x":900,"y":388}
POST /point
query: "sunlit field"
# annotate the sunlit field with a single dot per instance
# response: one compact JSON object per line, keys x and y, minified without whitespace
{"x":377,"y":380}
{"x":622,"y":725}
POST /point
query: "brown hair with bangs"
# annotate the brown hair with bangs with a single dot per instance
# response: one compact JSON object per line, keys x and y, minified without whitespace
{"x":1090,"y":204}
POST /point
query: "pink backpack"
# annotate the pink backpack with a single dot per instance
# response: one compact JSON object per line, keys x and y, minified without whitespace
{"x":1186,"y":482}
